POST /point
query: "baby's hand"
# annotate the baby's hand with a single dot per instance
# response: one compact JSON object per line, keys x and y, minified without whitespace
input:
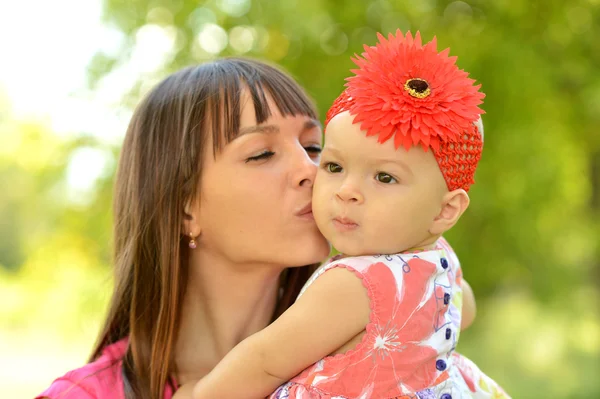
{"x":185,"y":391}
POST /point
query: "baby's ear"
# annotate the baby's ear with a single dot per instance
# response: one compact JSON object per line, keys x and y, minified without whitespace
{"x":454,"y":204}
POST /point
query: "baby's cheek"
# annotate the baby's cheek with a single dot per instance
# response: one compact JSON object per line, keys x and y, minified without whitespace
{"x":320,"y":211}
{"x":322,"y":195}
{"x":387,"y":233}
{"x":319,"y":188}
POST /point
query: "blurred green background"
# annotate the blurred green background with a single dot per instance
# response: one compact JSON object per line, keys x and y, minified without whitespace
{"x":529,"y":244}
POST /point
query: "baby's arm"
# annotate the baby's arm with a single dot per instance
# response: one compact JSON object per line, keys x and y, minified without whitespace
{"x":333,"y":310}
{"x":468,"y":306}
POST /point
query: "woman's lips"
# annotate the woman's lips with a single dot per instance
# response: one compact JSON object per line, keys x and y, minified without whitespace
{"x":344,"y":224}
{"x":307,"y":215}
{"x":306,"y":212}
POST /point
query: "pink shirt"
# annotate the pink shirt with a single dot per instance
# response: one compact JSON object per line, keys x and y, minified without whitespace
{"x":101,"y":379}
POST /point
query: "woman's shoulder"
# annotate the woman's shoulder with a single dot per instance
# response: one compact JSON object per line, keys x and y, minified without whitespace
{"x":96,"y":380}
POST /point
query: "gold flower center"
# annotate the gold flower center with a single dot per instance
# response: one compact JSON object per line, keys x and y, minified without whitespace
{"x":418,"y":88}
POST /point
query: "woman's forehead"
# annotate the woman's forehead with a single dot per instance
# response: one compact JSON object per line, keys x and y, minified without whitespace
{"x":248,"y":114}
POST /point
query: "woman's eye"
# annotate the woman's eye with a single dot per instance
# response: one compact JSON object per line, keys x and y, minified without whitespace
{"x":313,"y":150}
{"x":262,"y":155}
{"x":333,"y":167}
{"x":385,"y":178}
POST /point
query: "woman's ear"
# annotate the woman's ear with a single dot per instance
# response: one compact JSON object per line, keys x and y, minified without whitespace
{"x":191,"y":219}
{"x":454,"y":204}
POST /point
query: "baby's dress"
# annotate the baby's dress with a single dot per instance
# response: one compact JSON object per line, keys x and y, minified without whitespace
{"x":408,"y":348}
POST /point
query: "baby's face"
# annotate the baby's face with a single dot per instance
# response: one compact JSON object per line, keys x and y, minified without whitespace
{"x":371,"y":198}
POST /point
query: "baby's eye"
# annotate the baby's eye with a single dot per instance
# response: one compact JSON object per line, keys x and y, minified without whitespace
{"x":385,"y":178}
{"x":333,"y":167}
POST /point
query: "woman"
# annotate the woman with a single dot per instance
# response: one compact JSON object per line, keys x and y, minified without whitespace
{"x":213,"y":227}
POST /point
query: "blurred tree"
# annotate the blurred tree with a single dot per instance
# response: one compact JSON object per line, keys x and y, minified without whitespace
{"x":533,"y":228}
{"x":37,"y":201}
{"x":536,"y":190}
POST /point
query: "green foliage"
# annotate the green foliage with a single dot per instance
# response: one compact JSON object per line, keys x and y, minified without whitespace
{"x":529,"y":243}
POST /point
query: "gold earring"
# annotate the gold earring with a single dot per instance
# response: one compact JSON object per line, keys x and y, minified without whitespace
{"x":192,"y":243}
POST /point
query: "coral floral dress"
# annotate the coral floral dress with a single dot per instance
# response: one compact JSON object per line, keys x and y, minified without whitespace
{"x":408,"y":348}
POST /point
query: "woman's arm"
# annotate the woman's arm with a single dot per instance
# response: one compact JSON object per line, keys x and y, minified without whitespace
{"x":333,"y":310}
{"x":468,"y":306}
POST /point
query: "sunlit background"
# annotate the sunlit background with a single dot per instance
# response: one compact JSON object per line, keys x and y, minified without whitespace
{"x":72,"y":70}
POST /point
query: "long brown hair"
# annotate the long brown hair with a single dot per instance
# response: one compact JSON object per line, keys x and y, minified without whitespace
{"x":159,"y":170}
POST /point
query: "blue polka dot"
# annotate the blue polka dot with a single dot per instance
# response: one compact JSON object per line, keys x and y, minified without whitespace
{"x":446,"y":298}
{"x":440,"y":365}
{"x":444,"y":263}
{"x":446,"y":396}
{"x":448,"y":333}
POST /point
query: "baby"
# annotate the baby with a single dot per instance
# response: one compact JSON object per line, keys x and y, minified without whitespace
{"x":382,"y":320}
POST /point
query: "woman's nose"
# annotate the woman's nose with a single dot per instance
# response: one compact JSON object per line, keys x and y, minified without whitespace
{"x":305,"y":170}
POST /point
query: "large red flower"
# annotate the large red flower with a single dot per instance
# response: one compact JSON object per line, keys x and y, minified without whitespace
{"x":411,"y":92}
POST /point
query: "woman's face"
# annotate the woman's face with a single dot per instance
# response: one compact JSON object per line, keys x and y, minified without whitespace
{"x":255,"y":195}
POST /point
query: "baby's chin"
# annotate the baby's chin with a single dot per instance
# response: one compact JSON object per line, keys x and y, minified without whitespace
{"x":353,"y":249}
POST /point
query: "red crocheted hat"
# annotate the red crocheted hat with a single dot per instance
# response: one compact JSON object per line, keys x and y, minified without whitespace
{"x":410,"y":92}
